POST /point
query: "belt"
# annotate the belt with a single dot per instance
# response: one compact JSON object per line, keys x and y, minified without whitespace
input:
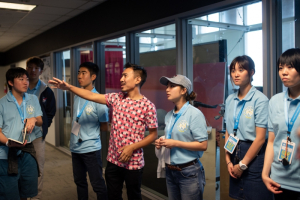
{"x":179,"y":167}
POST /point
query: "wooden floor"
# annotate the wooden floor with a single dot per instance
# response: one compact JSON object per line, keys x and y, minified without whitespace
{"x":58,"y":177}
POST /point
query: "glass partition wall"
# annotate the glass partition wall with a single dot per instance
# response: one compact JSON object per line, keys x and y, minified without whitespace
{"x":157,"y":54}
{"x":63,"y":66}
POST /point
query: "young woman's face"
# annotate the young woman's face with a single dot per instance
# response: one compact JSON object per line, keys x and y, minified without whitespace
{"x":174,"y":92}
{"x":239,"y":75}
{"x":289,"y":75}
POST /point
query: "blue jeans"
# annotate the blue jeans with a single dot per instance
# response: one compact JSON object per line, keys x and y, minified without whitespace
{"x":186,"y":184}
{"x":91,"y":163}
{"x":24,"y":184}
{"x":250,"y":185}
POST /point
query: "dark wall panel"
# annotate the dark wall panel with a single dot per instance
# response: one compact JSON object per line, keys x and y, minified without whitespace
{"x":2,"y":62}
{"x":106,"y":18}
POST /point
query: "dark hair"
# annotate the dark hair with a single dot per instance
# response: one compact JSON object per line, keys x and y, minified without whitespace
{"x":92,"y":67}
{"x":189,"y":97}
{"x":245,"y":62}
{"x":290,"y":57}
{"x":35,"y":60}
{"x":138,"y":69}
{"x":13,"y":73}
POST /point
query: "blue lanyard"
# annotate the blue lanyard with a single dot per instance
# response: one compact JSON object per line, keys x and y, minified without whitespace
{"x":182,"y":110}
{"x":22,"y":114}
{"x":236,"y":119}
{"x":82,"y":109}
{"x":294,"y":117}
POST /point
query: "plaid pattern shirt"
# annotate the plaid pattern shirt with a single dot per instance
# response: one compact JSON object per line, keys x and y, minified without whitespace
{"x":129,"y":121}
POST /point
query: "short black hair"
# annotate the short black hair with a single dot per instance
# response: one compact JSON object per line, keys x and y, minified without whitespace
{"x":13,"y":73}
{"x":140,"y":70}
{"x":290,"y":57}
{"x":92,"y":67}
{"x":35,"y":60}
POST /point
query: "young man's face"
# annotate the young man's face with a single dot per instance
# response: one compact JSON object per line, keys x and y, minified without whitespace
{"x":129,"y":80}
{"x":20,"y":84}
{"x":34,"y":71}
{"x":84,"y":77}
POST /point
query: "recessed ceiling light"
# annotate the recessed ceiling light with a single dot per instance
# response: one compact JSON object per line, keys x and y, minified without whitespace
{"x":16,"y":6}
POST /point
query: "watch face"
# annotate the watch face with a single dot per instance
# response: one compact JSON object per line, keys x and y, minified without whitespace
{"x":243,"y":167}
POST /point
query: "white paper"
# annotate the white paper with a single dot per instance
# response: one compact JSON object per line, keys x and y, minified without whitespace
{"x":75,"y":128}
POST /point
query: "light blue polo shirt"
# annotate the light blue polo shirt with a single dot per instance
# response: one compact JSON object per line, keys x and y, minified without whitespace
{"x":10,"y":119}
{"x":255,"y":113}
{"x":287,"y":176}
{"x":89,"y":132}
{"x":35,"y":91}
{"x":191,"y":126}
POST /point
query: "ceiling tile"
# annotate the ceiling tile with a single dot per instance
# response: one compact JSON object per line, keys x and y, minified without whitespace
{"x":74,"y":12}
{"x":63,"y":18}
{"x":51,"y":10}
{"x":34,"y":22}
{"x":23,"y":30}
{"x":16,"y":33}
{"x":52,"y":24}
{"x":89,"y":5}
{"x":26,"y":26}
{"x":64,"y":4}
{"x":40,"y":16}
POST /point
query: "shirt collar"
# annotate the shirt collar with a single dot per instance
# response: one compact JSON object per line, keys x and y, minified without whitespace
{"x":249,"y":95}
{"x":36,"y":87}
{"x":175,"y":114}
{"x":286,"y":96}
{"x":10,"y":98}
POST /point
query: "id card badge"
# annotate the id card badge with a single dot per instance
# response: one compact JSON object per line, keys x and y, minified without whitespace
{"x":231,"y":143}
{"x":75,"y":128}
{"x":290,"y":151}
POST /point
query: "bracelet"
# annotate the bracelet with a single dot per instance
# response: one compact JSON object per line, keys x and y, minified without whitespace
{"x":228,"y":162}
{"x":6,"y":143}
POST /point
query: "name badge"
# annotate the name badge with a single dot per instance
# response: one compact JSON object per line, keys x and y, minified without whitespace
{"x":290,"y":151}
{"x":231,"y":143}
{"x":75,"y":128}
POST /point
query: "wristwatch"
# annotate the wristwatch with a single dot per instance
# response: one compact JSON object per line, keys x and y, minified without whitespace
{"x":243,"y":166}
{"x":6,"y":143}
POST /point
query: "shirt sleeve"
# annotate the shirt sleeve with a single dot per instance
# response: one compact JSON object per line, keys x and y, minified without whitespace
{"x":38,"y":110}
{"x":151,"y":117}
{"x":102,"y":113}
{"x":1,"y":116}
{"x":270,"y":124}
{"x":198,"y":127}
{"x":111,"y":98}
{"x":261,"y":113}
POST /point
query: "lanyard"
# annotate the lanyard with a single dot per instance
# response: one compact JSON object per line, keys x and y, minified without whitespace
{"x":22,"y":114}
{"x":182,"y":110}
{"x":83,"y":107}
{"x":294,"y":117}
{"x":236,"y":119}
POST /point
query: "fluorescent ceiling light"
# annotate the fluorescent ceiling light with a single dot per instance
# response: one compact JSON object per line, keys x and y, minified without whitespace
{"x":16,"y":6}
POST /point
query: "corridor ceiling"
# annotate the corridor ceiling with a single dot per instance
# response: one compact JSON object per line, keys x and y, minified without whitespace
{"x":18,"y":26}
